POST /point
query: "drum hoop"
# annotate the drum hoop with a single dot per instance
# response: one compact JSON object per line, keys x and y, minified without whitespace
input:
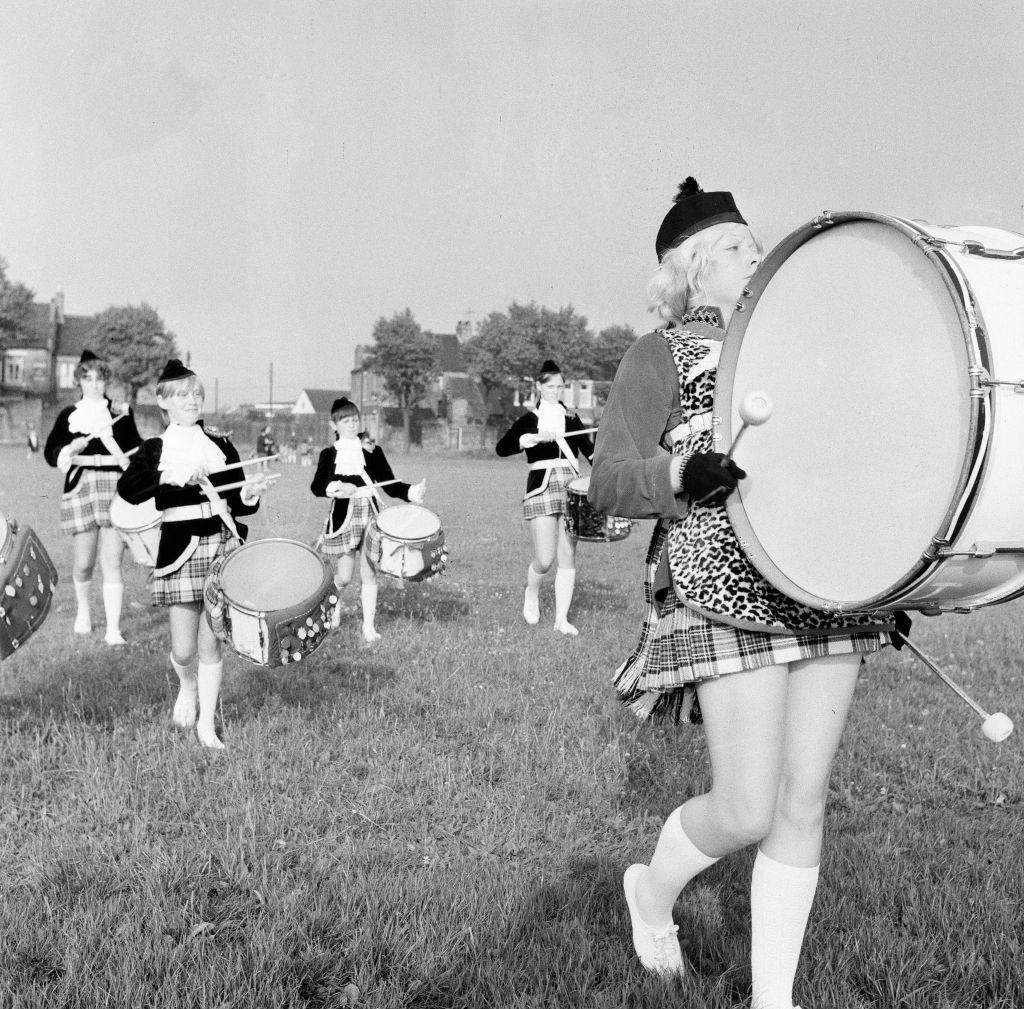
{"x":286,"y":612}
{"x":975,"y":449}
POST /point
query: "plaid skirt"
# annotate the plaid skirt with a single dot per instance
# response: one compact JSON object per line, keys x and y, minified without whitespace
{"x":359,"y":518}
{"x":88,"y":505}
{"x":552,"y":500}
{"x":187,"y":583}
{"x":680,"y":648}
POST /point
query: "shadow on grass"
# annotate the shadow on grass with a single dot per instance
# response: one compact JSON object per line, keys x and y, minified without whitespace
{"x":571,"y":946}
{"x":431,"y":601}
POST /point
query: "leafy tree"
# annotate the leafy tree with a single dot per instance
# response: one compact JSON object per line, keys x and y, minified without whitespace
{"x":15,"y":306}
{"x":610,"y":345}
{"x":406,"y":358}
{"x":136,"y":343}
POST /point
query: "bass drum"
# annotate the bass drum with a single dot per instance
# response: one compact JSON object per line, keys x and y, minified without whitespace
{"x":889,"y":474}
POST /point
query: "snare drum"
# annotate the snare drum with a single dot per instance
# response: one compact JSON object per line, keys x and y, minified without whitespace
{"x":139,"y":526}
{"x":28,"y":580}
{"x":584,"y":522}
{"x":274,"y":599}
{"x":411,"y":543}
{"x":889,"y":474}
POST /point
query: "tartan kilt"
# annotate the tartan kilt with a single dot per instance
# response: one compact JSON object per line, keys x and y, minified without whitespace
{"x":680,"y":648}
{"x":187,"y":583}
{"x":553,"y":499}
{"x":360,"y":517}
{"x":88,"y":505}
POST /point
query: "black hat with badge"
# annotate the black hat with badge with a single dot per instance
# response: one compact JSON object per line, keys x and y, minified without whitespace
{"x":693,"y":211}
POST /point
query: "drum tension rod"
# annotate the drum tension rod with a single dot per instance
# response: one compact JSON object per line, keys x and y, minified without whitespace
{"x":971,"y":247}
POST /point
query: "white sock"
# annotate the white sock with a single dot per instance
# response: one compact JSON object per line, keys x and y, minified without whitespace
{"x":188,"y":697}
{"x":531,"y":598}
{"x":676,"y":860}
{"x":83,"y":619}
{"x":780,"y":903}
{"x":208,"y":677}
{"x":113,"y":594}
{"x":565,"y":583}
{"x":368,"y":596}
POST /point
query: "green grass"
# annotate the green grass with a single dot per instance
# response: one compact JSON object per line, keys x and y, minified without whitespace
{"x":442,"y":820}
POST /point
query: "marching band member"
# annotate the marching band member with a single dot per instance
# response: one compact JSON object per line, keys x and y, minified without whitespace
{"x":199,"y":528}
{"x":90,"y":443}
{"x":541,"y":434}
{"x":345,"y":473}
{"x":772,"y":679}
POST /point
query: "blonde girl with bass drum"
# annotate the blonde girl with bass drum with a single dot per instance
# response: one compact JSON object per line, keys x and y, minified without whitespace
{"x":545,"y":434}
{"x":180,"y":471}
{"x":90,"y":443}
{"x":772,"y":679}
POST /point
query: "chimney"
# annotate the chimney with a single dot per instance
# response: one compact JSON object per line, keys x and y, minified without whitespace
{"x":463,"y":330}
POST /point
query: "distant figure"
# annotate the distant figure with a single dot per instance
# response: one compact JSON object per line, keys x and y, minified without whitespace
{"x":265,"y":445}
{"x":291,"y":452}
{"x":307,"y":451}
{"x":33,"y":442}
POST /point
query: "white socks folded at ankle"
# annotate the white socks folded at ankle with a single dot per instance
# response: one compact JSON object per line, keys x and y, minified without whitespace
{"x":113,"y":598}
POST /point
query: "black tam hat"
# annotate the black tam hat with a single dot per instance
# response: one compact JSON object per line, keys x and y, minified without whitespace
{"x":88,"y":357}
{"x":693,"y":211}
{"x":341,"y":402}
{"x":549,"y":368}
{"x":174,"y":370}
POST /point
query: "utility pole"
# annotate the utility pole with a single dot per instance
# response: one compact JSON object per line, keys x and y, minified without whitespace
{"x":216,"y":396}
{"x":271,"y":388}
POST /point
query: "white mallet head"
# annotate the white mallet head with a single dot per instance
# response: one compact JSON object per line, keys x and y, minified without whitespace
{"x":997,"y":727}
{"x":756,"y":408}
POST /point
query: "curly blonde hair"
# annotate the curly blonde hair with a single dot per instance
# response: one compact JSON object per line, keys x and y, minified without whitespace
{"x":678,"y":283}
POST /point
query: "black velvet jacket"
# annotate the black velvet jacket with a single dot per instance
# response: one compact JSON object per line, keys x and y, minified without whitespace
{"x":508,"y":445}
{"x":141,"y":481}
{"x":377,"y":469}
{"x":126,"y":434}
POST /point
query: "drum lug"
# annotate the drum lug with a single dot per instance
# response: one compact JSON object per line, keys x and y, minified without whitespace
{"x":984,"y":549}
{"x":823,"y":220}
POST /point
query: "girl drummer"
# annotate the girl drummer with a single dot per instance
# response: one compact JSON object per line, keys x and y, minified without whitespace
{"x":90,"y":443}
{"x":545,"y":434}
{"x":181,"y":470}
{"x":772,"y":679}
{"x":346,"y":472}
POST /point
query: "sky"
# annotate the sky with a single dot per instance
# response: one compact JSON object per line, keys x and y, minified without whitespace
{"x":274,"y":176}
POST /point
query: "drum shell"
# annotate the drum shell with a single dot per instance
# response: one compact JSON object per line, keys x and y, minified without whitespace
{"x":584,"y":522}
{"x":139,"y":528}
{"x":28,"y":580}
{"x":956,"y":546}
{"x":283,"y":634}
{"x":409,"y":556}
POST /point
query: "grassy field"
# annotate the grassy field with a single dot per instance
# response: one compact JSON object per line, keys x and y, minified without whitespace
{"x":442,"y":820}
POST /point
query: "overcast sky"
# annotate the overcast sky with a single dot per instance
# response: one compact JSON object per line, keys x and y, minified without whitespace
{"x":274,"y":175}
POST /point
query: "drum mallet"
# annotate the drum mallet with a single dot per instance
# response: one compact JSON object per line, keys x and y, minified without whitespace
{"x":755,"y":409}
{"x":996,"y":726}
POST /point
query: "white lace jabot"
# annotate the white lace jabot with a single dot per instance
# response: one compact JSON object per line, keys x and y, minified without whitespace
{"x":551,"y":417}
{"x":349,"y":456}
{"x":90,"y":416}
{"x":186,"y":450}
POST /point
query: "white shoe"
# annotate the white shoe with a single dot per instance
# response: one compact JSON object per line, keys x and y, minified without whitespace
{"x":186,"y":708}
{"x":566,"y":628}
{"x":370,"y":635}
{"x":658,"y":950}
{"x":531,"y":608}
{"x":83,"y":624}
{"x":114,"y":639}
{"x":209,"y":738}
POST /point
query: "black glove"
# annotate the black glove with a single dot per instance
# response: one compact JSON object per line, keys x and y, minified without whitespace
{"x":898,"y":636}
{"x":709,"y":477}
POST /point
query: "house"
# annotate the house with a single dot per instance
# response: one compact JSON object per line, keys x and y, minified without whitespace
{"x":311,"y":401}
{"x":37,"y":367}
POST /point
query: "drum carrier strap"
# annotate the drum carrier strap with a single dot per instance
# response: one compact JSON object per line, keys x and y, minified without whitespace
{"x":699,"y":422}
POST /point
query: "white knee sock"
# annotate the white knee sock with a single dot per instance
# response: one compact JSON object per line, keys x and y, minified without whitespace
{"x":565,"y":583}
{"x":368,"y":596}
{"x":780,"y":903}
{"x":188,"y":698}
{"x":531,"y":598}
{"x":208,"y":677}
{"x":113,"y":595}
{"x":676,"y":860}
{"x":83,"y":619}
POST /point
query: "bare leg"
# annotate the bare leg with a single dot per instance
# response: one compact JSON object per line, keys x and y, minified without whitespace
{"x":184,"y":618}
{"x":208,"y":674}
{"x":544,"y":534}
{"x":344,"y":566}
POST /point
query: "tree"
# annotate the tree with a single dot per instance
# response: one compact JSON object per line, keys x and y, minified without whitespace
{"x":135,"y":342}
{"x":406,"y":358}
{"x":15,"y":306}
{"x":610,"y":345}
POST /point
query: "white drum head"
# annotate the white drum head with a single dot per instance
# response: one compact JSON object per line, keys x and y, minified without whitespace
{"x":130,"y":517}
{"x":273,"y":574}
{"x":581,"y":485}
{"x":858,"y":341}
{"x":408,"y":522}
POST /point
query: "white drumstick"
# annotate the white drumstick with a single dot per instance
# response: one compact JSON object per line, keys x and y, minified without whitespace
{"x":243,"y":462}
{"x":269,"y":477}
{"x":755,"y":409}
{"x":583,"y":430}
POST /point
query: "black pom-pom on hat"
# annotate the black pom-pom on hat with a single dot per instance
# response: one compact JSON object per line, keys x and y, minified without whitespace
{"x":694,"y":210}
{"x":173,"y":371}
